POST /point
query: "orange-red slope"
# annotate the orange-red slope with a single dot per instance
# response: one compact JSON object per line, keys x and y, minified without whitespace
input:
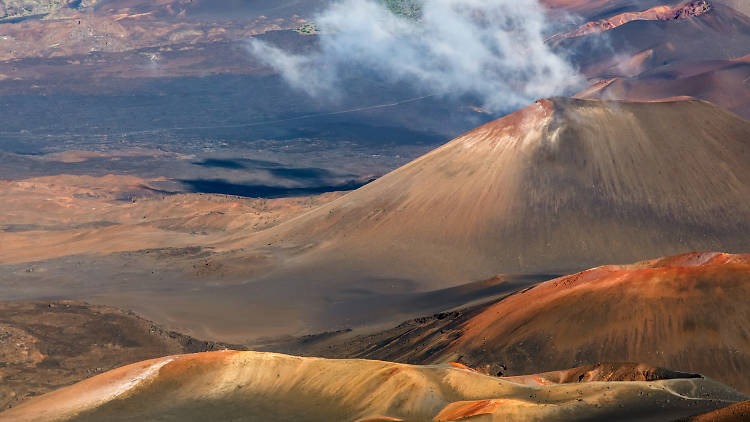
{"x":688,"y":313}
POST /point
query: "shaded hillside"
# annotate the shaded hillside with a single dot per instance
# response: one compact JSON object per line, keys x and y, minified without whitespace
{"x":251,"y":386}
{"x":721,"y":33}
{"x":46,"y":345}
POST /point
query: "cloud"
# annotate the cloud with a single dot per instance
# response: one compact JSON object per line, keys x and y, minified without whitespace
{"x":493,"y":50}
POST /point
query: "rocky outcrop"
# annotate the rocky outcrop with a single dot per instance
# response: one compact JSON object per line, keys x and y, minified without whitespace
{"x":658,"y":13}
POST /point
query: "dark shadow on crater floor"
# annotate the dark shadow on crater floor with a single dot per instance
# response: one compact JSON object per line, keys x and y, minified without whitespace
{"x":264,"y":191}
{"x":219,"y":163}
{"x":302,"y":173}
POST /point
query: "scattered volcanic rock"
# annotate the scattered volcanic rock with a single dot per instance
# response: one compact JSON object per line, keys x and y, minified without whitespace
{"x":248,"y":386}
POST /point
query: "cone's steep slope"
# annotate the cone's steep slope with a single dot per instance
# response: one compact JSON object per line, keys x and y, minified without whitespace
{"x":251,"y":386}
{"x":561,"y":185}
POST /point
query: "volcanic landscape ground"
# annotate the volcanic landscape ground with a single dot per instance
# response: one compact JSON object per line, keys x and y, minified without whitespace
{"x":164,"y":193}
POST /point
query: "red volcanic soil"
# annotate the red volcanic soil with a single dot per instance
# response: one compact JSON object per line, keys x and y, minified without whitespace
{"x":687,"y":313}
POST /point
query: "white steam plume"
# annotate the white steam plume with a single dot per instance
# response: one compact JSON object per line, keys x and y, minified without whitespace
{"x":491,"y":49}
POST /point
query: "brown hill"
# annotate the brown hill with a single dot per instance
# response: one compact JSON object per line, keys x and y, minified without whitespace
{"x":559,"y":186}
{"x":647,"y":50}
{"x":687,"y":312}
{"x":689,"y":37}
{"x":723,"y":82}
{"x":250,"y":386}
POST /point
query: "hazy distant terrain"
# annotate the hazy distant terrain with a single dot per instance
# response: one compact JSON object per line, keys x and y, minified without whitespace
{"x":203,"y":96}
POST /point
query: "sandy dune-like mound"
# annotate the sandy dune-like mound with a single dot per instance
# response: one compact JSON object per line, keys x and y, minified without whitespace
{"x":247,"y":386}
{"x":687,"y":312}
{"x":561,"y":185}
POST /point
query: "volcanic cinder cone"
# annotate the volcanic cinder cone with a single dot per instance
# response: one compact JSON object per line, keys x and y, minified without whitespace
{"x":688,"y":312}
{"x":557,"y":187}
{"x":250,"y":386}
